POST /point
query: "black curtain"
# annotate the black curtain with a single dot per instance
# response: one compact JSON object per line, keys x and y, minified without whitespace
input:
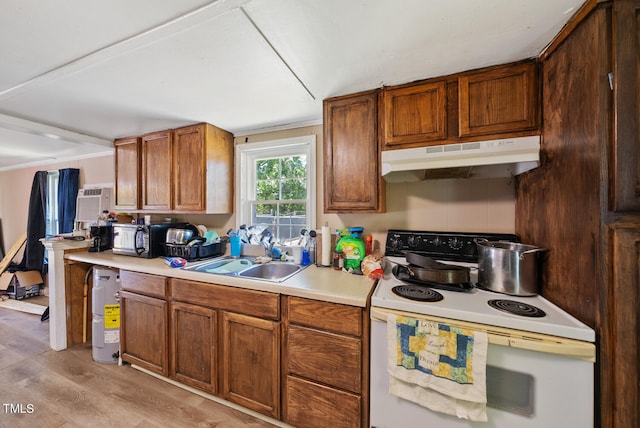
{"x":33,"y":258}
{"x":68,"y":183}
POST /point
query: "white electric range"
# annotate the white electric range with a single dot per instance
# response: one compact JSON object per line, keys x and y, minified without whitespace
{"x":540,"y":359}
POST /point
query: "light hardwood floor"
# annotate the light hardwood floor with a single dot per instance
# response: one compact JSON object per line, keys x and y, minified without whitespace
{"x":40,"y":387}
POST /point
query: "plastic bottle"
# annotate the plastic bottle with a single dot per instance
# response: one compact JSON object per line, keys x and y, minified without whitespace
{"x":351,"y":246}
{"x":312,"y":246}
{"x":338,"y":260}
{"x":368,"y":245}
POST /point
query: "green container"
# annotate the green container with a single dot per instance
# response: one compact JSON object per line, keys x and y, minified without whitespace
{"x":353,"y":249}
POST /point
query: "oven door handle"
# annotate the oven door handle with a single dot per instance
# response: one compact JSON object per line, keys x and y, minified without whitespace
{"x":507,"y":337}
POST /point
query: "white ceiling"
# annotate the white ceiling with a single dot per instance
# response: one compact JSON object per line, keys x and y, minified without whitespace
{"x":76,"y":74}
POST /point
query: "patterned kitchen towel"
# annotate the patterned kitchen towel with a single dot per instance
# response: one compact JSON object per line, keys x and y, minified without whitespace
{"x":438,"y":366}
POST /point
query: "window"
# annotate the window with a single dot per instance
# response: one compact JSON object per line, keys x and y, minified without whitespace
{"x":277,"y":185}
{"x":52,"y":203}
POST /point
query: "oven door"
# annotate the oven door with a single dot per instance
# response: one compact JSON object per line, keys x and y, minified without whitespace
{"x":526,"y":388}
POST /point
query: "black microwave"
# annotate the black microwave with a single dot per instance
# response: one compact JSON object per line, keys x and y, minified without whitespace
{"x":141,"y":240}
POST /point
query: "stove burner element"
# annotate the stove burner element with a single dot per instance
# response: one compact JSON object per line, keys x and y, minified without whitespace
{"x":417,"y":292}
{"x":517,"y":308}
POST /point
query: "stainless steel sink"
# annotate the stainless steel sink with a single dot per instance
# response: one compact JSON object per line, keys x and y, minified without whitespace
{"x":277,"y":271}
{"x":246,"y":267}
{"x":224,"y":266}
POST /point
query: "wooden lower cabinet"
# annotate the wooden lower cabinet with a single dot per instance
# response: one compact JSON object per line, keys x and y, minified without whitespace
{"x":251,"y":360}
{"x":144,"y":331}
{"x":144,"y":321}
{"x":326,"y":364}
{"x":75,"y":274}
{"x":325,"y":357}
{"x":302,"y":361}
{"x":314,"y":405}
{"x":194,"y":345}
{"x":226,"y":341}
{"x":623,"y":347}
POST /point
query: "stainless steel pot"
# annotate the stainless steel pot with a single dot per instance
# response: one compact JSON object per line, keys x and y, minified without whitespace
{"x":508,"y":267}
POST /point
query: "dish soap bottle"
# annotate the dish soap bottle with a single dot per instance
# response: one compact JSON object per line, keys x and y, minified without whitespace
{"x":351,"y":246}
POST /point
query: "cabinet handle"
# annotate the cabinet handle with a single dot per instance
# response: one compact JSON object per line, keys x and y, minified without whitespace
{"x":610,"y":80}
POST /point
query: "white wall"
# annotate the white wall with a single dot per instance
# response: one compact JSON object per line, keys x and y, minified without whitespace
{"x":15,"y":189}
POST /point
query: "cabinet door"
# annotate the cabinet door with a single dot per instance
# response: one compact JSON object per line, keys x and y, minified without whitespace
{"x":625,"y":167}
{"x":127,"y":175}
{"x":313,"y":405}
{"x":193,"y":346}
{"x":78,"y":326}
{"x":502,"y":99}
{"x":622,"y":342}
{"x":251,"y":360}
{"x":157,"y":184}
{"x":415,"y":114}
{"x":189,"y":159}
{"x":144,"y":332}
{"x":352,"y":181}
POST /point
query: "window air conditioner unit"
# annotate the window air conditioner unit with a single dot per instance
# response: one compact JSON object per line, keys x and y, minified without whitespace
{"x":92,"y":202}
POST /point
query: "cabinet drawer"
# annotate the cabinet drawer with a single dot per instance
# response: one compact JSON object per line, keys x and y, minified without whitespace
{"x":250,"y":302}
{"x":317,"y":406}
{"x":325,"y":357}
{"x":151,"y":285}
{"x":326,"y":316}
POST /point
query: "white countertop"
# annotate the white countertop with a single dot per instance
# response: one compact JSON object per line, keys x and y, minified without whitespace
{"x":318,"y":283}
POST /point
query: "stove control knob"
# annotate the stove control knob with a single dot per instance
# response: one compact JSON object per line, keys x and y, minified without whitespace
{"x":456,"y":243}
{"x":411,"y":241}
{"x":436,"y":241}
{"x":395,"y":243}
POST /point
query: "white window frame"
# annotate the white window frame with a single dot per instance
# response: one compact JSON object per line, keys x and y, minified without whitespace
{"x":246,"y":155}
{"x":52,"y":203}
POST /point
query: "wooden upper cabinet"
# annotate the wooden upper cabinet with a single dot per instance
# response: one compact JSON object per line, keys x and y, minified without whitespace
{"x":499,"y":100}
{"x":156,"y":150}
{"x":203,"y":169}
{"x":189,"y":164}
{"x":624,"y":170}
{"x":188,"y":169}
{"x":352,"y":180}
{"x":415,"y":113}
{"x":127,"y":174}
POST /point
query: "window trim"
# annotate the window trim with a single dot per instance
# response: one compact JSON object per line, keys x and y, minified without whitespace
{"x":51,"y":218}
{"x":247,"y":153}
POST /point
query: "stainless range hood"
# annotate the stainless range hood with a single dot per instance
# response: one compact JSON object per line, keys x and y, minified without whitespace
{"x":481,"y":159}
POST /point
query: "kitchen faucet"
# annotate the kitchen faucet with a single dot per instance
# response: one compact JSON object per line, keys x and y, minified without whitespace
{"x":268,"y":247}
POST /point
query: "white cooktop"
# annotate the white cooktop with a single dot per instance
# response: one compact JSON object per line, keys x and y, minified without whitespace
{"x":472,"y":306}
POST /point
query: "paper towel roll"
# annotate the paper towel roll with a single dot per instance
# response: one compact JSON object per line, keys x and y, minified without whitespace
{"x":326,"y":246}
